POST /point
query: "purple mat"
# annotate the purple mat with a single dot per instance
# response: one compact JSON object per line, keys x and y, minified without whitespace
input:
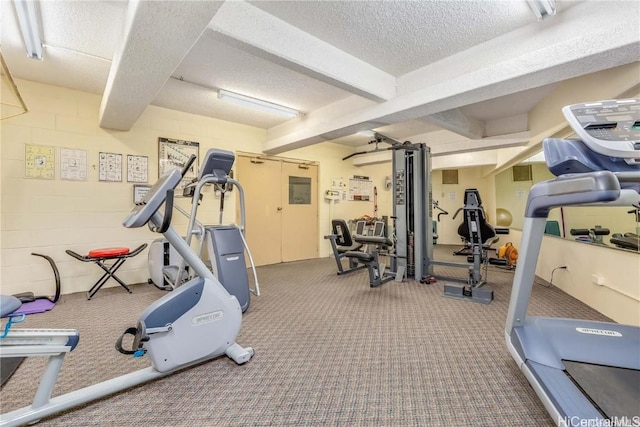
{"x":37,"y":306}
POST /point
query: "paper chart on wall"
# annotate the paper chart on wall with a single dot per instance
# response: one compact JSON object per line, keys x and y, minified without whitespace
{"x":137,"y":168}
{"x":110,"y":167}
{"x":40,"y":161}
{"x":73,"y":164}
{"x":360,"y":188}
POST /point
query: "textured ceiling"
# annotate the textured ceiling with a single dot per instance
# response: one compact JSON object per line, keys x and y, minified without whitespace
{"x":401,"y":36}
{"x":444,"y":71}
{"x":241,"y":72}
{"x":105,"y":18}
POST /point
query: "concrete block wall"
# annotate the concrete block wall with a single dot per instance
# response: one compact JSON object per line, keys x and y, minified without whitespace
{"x":51,"y":216}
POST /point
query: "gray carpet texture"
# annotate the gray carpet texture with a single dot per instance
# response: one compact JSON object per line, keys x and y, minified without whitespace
{"x":330,"y":351}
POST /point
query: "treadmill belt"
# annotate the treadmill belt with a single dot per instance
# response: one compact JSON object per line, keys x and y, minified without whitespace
{"x":616,"y":391}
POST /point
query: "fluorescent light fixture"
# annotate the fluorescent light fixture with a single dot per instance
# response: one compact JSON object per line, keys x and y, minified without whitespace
{"x":257,"y":104}
{"x":28,"y":20}
{"x":542,"y":9}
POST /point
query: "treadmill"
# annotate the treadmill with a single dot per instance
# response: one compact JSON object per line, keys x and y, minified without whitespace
{"x":584,"y":372}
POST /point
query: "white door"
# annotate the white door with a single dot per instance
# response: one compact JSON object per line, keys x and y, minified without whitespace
{"x":281,"y":199}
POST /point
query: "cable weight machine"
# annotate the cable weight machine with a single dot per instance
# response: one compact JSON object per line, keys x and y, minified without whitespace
{"x":411,"y":183}
{"x":413,"y":230}
{"x":411,"y":186}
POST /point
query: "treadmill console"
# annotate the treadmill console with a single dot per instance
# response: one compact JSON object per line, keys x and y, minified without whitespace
{"x":610,"y":128}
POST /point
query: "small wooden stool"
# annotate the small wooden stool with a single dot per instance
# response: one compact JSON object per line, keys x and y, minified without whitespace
{"x":100,"y":256}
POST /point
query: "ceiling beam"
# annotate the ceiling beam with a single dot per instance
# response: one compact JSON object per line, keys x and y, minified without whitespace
{"x":453,"y":160}
{"x":457,"y":122}
{"x":248,"y":28}
{"x":505,"y":125}
{"x":157,"y":36}
{"x":472,"y":146}
{"x":586,"y":38}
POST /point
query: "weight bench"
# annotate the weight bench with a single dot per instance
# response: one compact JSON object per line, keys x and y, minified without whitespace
{"x":377,"y":273}
{"x":100,"y":257}
{"x":341,"y":243}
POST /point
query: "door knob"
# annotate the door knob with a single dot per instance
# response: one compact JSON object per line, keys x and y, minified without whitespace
{"x":279,"y":208}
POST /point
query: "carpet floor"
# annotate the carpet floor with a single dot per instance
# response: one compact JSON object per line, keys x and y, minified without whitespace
{"x":330,"y":351}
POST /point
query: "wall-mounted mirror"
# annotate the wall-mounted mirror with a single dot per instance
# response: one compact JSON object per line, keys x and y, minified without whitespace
{"x":605,"y":226}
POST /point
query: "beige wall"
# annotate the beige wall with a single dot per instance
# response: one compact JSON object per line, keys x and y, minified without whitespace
{"x":619,"y":296}
{"x":50,"y":216}
{"x":332,"y":166}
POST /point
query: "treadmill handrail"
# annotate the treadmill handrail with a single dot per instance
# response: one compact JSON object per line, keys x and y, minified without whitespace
{"x":570,"y":190}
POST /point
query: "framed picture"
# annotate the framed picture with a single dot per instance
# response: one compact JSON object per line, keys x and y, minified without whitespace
{"x":73,"y":164}
{"x":110,"y":169}
{"x":174,"y":154}
{"x":137,"y":168}
{"x":39,"y":161}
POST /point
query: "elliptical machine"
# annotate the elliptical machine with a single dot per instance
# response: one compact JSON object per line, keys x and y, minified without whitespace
{"x":197,"y":322}
{"x":225,"y":245}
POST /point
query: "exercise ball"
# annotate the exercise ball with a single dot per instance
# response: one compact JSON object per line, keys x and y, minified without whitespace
{"x":503,"y":217}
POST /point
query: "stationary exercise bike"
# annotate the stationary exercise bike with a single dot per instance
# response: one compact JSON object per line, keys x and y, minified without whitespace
{"x":196,"y":322}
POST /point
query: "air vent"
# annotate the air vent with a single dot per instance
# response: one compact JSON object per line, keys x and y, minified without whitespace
{"x":522,"y":173}
{"x":450,"y":176}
